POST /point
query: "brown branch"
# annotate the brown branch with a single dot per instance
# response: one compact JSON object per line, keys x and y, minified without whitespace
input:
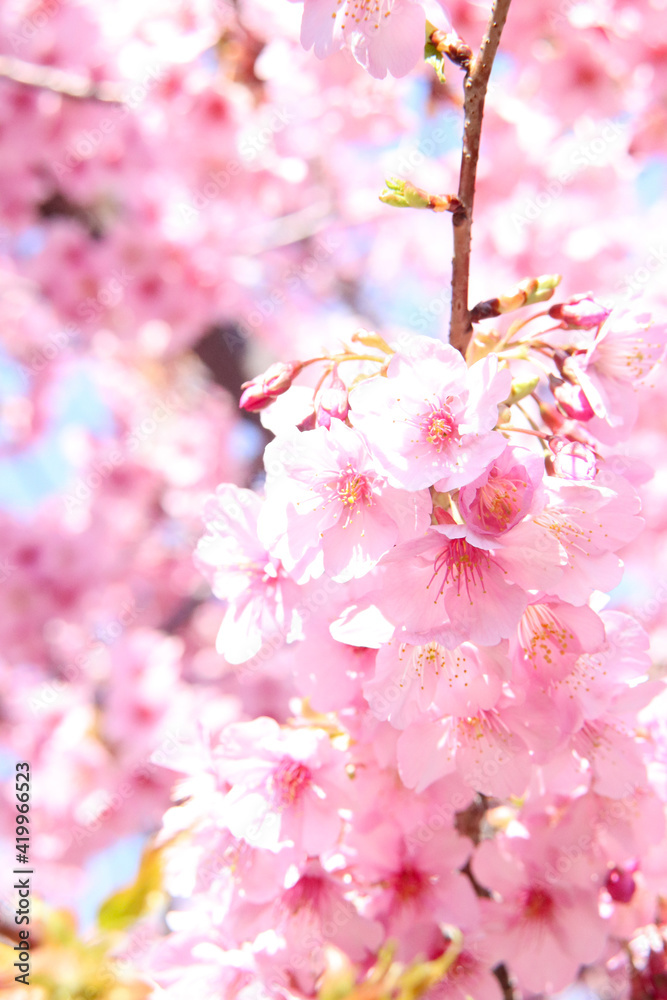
{"x":476,"y":82}
{"x":59,"y":80}
{"x":502,"y":975}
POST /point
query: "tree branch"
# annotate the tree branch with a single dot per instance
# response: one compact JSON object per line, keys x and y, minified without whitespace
{"x":502,"y":975}
{"x":59,"y":80}
{"x":476,"y":83}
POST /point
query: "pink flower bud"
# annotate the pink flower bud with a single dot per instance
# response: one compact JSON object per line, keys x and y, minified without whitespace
{"x":620,"y":885}
{"x":308,"y":423}
{"x":551,"y":417}
{"x":260,"y":391}
{"x":573,"y":459}
{"x":572,"y":400}
{"x":581,"y":311}
{"x":333,"y":402}
{"x":442,"y":516}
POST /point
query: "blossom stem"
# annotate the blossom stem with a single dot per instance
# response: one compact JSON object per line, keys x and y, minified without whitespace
{"x":519,"y":325}
{"x":527,"y":415}
{"x":357,"y":357}
{"x":347,"y":356}
{"x":506,"y":428}
{"x":475,"y":86}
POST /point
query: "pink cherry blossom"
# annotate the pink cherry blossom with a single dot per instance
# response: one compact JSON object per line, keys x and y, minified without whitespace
{"x":430,"y":420}
{"x":590,"y":521}
{"x":261,"y":597}
{"x":484,"y":748}
{"x":543,"y":930}
{"x":408,"y":680}
{"x":415,"y":883}
{"x":504,"y":494}
{"x":552,"y":635}
{"x":469,"y":975}
{"x":453,"y":586}
{"x":324,"y":494}
{"x":286,"y":786}
{"x":627,"y":348}
{"x":218,"y":215}
{"x":383,"y":35}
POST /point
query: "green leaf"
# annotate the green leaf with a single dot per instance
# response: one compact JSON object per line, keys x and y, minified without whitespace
{"x":436,"y":60}
{"x":125,"y":907}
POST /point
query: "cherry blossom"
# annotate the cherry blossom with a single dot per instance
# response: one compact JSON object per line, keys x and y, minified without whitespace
{"x":287,"y":791}
{"x":421,"y":697}
{"x":262,"y":596}
{"x":430,"y":421}
{"x":324,"y":491}
{"x":503,"y":495}
{"x":383,"y":35}
{"x":560,"y":924}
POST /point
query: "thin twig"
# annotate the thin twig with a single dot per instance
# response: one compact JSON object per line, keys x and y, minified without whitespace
{"x":60,"y":81}
{"x":476,"y":82}
{"x":502,"y":975}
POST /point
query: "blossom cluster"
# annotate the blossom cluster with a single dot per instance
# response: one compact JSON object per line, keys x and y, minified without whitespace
{"x":427,"y":564}
{"x":174,"y":173}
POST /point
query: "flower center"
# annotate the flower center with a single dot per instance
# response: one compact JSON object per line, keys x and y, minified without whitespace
{"x":355,"y":12}
{"x":463,"y":564}
{"x":424,"y":660}
{"x":289,"y":780}
{"x":408,"y":884}
{"x":499,"y":502}
{"x":628,"y":355}
{"x":537,"y":904}
{"x":568,"y":534}
{"x":307,"y":892}
{"x":543,"y":636}
{"x":353,"y":488}
{"x":439,"y":426}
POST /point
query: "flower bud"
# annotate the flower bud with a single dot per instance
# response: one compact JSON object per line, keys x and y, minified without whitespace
{"x":551,"y":417}
{"x":580,"y":312}
{"x":522,"y":387}
{"x":404,"y":194}
{"x":308,"y":423}
{"x":333,"y":402}
{"x":571,"y":399}
{"x":526,"y":293}
{"x":260,"y":391}
{"x":620,"y":885}
{"x":573,"y":459}
{"x":441,"y":516}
